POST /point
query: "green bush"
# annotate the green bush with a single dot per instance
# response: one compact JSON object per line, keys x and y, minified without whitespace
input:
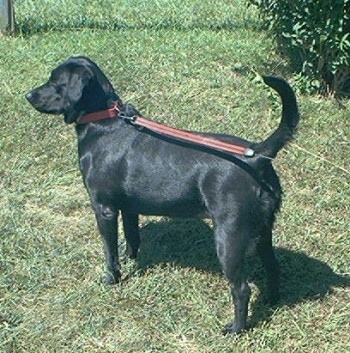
{"x":316,"y":34}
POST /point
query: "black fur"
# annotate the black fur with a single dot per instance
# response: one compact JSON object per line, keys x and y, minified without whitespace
{"x":130,"y":171}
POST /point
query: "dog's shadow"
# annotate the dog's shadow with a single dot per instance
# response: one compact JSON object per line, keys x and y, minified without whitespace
{"x":190,"y":243}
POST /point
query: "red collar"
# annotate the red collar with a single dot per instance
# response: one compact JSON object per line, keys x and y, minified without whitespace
{"x":102,"y":114}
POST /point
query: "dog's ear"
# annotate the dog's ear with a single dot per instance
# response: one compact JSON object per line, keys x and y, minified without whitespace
{"x":79,"y":79}
{"x":104,"y":83}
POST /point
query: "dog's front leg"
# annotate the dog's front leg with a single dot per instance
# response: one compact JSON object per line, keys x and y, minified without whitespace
{"x":107,"y":221}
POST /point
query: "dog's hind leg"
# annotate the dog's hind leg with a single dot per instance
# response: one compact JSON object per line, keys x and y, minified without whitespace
{"x":270,"y":263}
{"x":132,"y":234}
{"x":107,"y":221}
{"x":231,"y":246}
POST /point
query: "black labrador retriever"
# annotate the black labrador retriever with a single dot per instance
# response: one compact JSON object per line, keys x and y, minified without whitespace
{"x":129,"y":170}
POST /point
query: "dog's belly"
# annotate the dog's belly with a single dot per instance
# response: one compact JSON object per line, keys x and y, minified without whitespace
{"x":170,"y":208}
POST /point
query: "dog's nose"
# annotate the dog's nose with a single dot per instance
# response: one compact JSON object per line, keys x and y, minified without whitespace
{"x":29,"y":95}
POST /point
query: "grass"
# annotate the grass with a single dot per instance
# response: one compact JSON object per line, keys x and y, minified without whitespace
{"x":188,"y":64}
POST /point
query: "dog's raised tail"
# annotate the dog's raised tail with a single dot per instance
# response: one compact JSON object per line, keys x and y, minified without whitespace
{"x":289,"y":121}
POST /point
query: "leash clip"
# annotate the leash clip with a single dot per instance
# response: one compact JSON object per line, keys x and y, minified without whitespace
{"x":130,"y":120}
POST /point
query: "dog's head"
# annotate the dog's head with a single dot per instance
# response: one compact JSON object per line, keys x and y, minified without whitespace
{"x":76,"y":87}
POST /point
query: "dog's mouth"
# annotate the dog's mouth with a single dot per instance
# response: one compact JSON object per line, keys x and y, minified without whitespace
{"x":44,"y":110}
{"x":34,"y":99}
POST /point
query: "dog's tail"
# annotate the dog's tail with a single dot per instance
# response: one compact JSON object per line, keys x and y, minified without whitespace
{"x":289,"y":121}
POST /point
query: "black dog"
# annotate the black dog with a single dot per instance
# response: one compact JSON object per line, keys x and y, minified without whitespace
{"x":134,"y":172}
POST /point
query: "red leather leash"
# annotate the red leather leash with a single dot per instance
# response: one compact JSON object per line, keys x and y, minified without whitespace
{"x":191,"y":137}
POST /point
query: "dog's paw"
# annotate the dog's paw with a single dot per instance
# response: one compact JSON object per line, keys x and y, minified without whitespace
{"x":110,"y":279}
{"x":233,"y":328}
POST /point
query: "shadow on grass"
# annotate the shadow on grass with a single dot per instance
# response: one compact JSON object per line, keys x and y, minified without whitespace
{"x":190,"y":243}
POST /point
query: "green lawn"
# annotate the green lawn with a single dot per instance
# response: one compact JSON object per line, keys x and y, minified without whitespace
{"x":190,"y":64}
